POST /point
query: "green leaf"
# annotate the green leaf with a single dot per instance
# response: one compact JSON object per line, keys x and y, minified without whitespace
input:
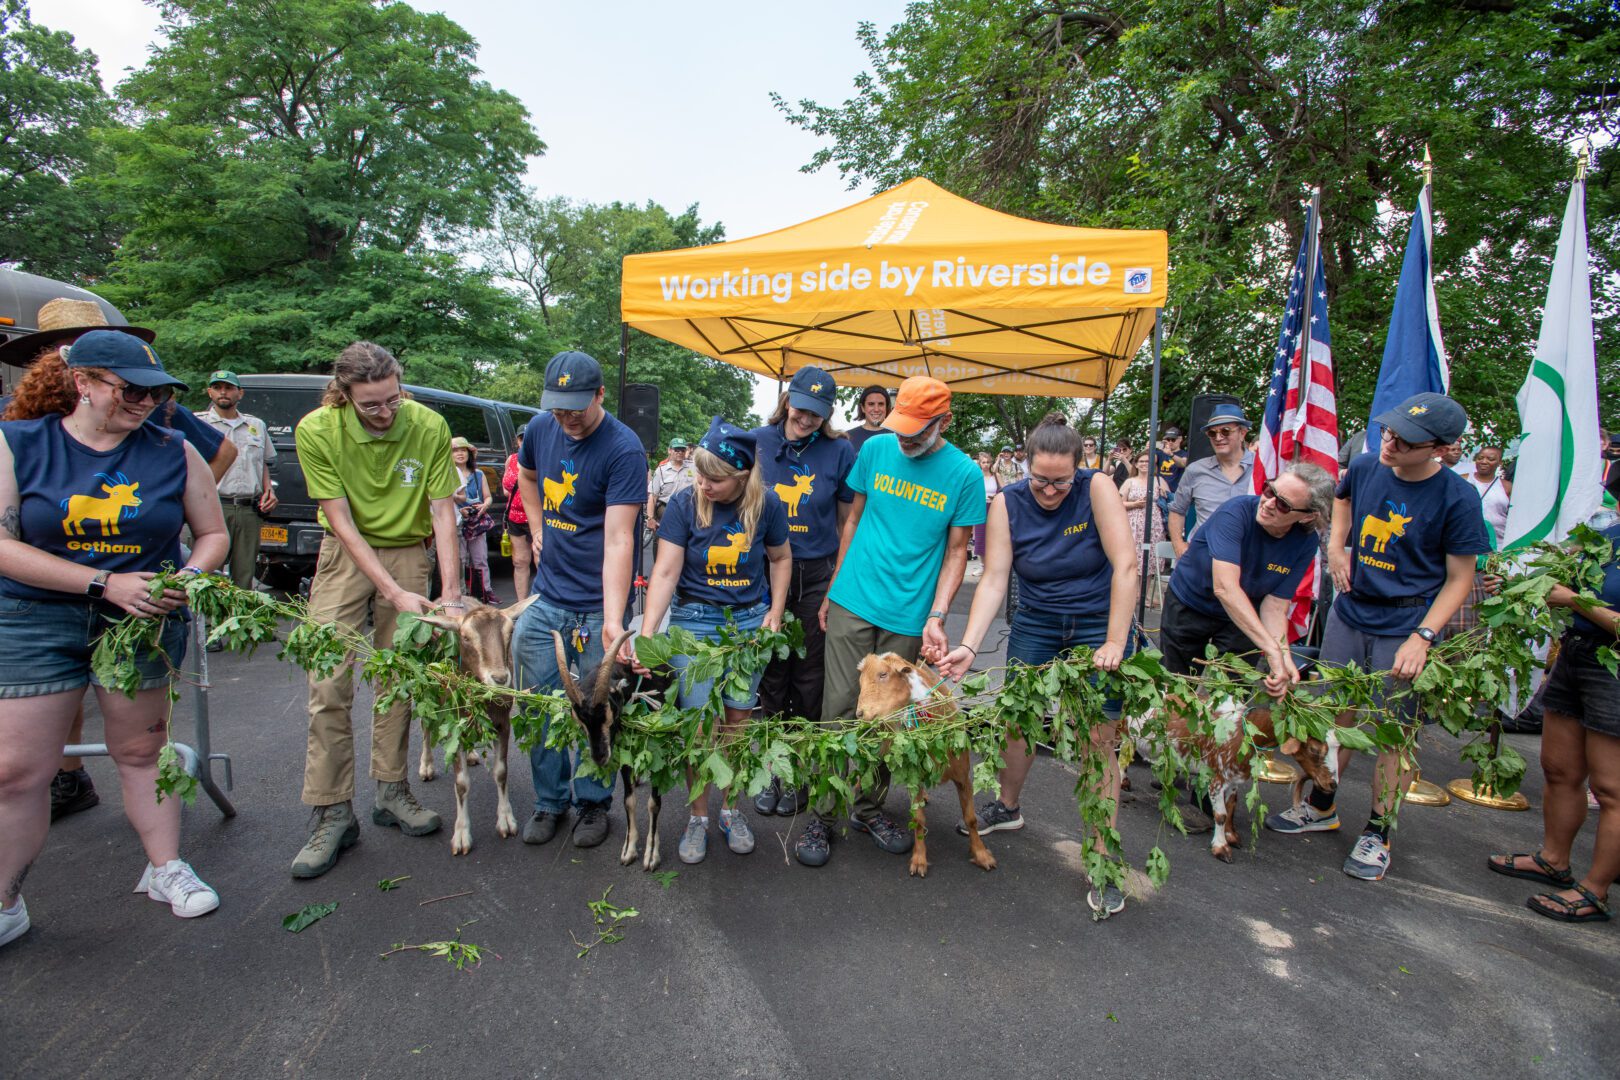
{"x":307,"y":916}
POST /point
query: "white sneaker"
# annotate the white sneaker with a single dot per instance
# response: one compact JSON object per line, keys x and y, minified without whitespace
{"x":13,"y":922}
{"x":177,"y":884}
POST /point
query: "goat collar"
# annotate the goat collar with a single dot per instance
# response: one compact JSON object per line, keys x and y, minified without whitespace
{"x":917,"y":710}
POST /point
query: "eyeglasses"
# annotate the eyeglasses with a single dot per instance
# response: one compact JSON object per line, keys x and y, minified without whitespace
{"x":1401,"y":446}
{"x":1222,"y":432}
{"x":375,"y":407}
{"x":1044,"y":483}
{"x":134,"y":395}
{"x":1270,"y":492}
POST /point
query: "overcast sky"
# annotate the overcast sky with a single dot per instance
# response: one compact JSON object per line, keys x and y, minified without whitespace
{"x":635,"y":100}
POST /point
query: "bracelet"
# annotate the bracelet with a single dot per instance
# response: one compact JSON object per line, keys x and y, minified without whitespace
{"x":970,"y":649}
{"x":191,"y":570}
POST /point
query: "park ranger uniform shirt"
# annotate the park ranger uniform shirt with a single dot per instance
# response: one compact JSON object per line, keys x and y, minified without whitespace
{"x":669,"y":478}
{"x":892,"y":567}
{"x":245,"y":478}
{"x":388,"y":479}
{"x":811,"y":477}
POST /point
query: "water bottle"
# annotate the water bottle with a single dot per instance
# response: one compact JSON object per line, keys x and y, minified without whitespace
{"x":506,"y":545}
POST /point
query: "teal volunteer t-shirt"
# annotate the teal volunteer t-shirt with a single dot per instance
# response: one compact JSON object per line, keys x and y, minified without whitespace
{"x":892,"y":567}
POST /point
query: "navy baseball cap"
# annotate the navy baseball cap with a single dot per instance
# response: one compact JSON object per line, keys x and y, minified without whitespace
{"x":1226,"y":414}
{"x":1426,"y":417}
{"x":812,"y":390}
{"x":572,"y":380}
{"x":731,"y":444}
{"x":125,"y":355}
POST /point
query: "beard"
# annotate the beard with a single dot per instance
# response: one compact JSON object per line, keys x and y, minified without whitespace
{"x":917,"y":450}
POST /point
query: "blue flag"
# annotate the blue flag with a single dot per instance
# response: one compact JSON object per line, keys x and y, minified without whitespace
{"x":1414,"y":356}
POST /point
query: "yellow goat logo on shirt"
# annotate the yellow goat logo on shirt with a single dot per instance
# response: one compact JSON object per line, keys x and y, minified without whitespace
{"x":794,"y":493}
{"x":723,"y":557}
{"x":1382,"y":530}
{"x":121,"y":500}
{"x":559,"y":490}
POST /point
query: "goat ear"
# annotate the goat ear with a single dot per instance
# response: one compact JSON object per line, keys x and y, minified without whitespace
{"x":570,"y":687}
{"x":513,"y":611}
{"x":862,"y":665}
{"x":1290,"y":746}
{"x":451,"y":623}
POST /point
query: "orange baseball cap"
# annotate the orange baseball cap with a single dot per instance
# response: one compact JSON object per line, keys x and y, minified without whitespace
{"x":921,"y":400}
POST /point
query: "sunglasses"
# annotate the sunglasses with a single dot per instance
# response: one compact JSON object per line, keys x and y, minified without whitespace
{"x":1270,"y":492}
{"x":134,"y":395}
{"x":1222,"y":432}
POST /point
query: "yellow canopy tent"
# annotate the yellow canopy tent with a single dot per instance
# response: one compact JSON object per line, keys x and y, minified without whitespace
{"x":914,"y":281}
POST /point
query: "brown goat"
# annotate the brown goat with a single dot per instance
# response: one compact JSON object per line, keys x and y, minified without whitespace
{"x":892,"y":686}
{"x":1228,"y":769}
{"x":485,"y":638}
{"x":599,"y":715}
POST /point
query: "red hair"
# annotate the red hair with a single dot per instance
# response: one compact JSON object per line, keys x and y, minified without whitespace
{"x":47,"y":388}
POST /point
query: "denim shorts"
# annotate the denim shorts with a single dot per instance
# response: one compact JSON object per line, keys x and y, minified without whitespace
{"x":46,"y":645}
{"x":1038,"y":637}
{"x":704,"y":621}
{"x":1581,"y":688}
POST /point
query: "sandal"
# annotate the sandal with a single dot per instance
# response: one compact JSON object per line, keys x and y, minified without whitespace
{"x":1566,"y":911}
{"x":1547,"y":874}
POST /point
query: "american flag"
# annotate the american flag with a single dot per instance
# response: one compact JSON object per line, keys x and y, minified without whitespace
{"x":1288,"y":431}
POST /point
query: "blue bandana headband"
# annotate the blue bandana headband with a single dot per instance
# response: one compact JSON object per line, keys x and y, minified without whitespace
{"x":730,"y":444}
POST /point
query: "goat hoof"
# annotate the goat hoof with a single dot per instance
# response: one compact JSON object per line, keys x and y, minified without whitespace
{"x":1233,"y":840}
{"x":426,"y":773}
{"x":986,"y":863}
{"x":919,"y":868}
{"x":459,"y":846}
{"x":1223,"y":854}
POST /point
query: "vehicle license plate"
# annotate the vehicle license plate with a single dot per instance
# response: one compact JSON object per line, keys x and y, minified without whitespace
{"x":272,"y":534}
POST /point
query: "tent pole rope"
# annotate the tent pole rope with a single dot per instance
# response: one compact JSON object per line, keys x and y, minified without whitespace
{"x":1153,"y":471}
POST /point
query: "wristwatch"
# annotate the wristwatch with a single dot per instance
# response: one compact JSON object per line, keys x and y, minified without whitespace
{"x":97,"y":589}
{"x":1425,"y":633}
{"x":940,"y":615}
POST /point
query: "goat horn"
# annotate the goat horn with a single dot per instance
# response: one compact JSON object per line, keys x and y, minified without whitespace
{"x":604,"y":675}
{"x":570,"y":687}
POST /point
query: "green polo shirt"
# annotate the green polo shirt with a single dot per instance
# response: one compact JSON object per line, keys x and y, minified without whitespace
{"x":389,"y":479}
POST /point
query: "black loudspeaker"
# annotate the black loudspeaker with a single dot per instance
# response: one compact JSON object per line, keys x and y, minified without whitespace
{"x":639,"y":412}
{"x":1202,"y":406}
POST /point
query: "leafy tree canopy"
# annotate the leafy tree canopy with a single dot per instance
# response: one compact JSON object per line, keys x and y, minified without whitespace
{"x":51,"y":106}
{"x":1213,"y":121}
{"x":301,"y":173}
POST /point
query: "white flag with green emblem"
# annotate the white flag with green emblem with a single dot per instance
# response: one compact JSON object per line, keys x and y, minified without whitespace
{"x":1557,"y":481}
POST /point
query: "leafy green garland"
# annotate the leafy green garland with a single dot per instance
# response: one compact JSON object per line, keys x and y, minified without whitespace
{"x":1465,"y":678}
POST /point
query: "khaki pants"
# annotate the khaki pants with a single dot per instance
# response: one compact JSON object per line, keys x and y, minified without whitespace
{"x":242,"y":526}
{"x":340,"y":593}
{"x":850,"y":639}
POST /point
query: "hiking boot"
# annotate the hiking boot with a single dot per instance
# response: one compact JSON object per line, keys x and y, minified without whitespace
{"x":72,"y":792}
{"x":1369,"y":858}
{"x":884,"y":833}
{"x":739,"y":837}
{"x":592,"y":827}
{"x":694,"y":845}
{"x":814,"y":846}
{"x":397,"y":805}
{"x":175,"y":883}
{"x":13,"y":921}
{"x":994,"y":817}
{"x":793,"y":802}
{"x":765,"y":801}
{"x":333,"y":830}
{"x":1109,"y":901}
{"x":542,"y":827}
{"x":1303,"y":818}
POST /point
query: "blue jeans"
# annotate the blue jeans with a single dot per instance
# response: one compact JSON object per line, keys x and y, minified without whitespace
{"x":1038,"y":637}
{"x":704,"y":622}
{"x":535,"y":655}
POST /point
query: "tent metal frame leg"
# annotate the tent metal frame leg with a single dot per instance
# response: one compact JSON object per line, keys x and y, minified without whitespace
{"x":1153,"y":441}
{"x":199,"y":759}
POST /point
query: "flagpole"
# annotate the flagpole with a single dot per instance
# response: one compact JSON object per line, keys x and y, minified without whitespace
{"x":1313,"y":233}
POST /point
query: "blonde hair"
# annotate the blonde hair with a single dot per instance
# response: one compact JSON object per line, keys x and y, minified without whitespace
{"x":752,"y":503}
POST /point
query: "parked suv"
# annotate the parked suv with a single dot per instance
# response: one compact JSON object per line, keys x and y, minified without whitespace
{"x":290,"y":535}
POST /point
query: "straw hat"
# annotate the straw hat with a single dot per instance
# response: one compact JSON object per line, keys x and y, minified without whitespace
{"x":63,"y":320}
{"x":459,"y":443}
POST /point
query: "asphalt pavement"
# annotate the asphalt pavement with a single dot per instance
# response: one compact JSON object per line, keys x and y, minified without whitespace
{"x":1278,"y":965}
